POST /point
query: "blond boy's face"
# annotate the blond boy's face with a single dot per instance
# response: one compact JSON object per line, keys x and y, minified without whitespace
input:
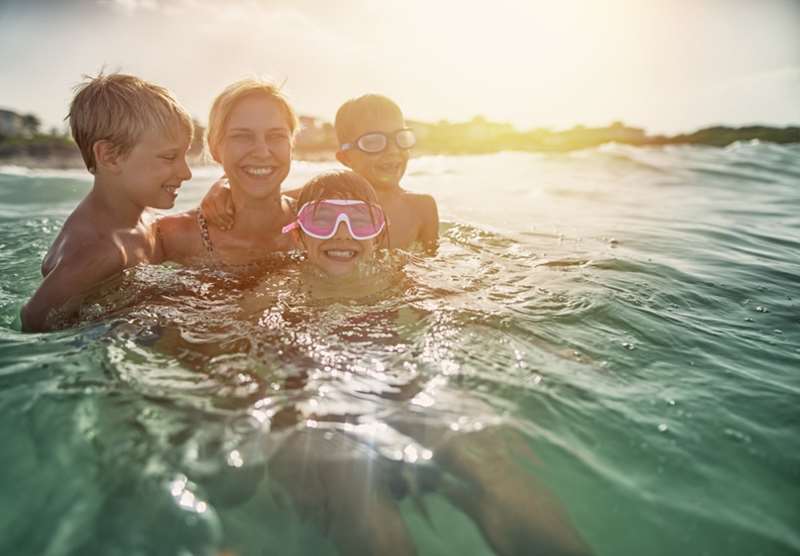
{"x":385,"y":169}
{"x":152,"y":172}
{"x":256,"y":148}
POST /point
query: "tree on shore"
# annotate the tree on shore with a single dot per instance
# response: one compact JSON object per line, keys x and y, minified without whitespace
{"x":31,"y":124}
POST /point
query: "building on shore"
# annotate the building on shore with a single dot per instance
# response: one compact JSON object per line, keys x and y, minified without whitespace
{"x":314,"y":134}
{"x":11,"y":124}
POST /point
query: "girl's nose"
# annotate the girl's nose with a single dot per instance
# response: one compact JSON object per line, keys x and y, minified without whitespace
{"x":342,"y":232}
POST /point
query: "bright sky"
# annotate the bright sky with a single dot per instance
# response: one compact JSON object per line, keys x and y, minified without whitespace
{"x":666,"y":65}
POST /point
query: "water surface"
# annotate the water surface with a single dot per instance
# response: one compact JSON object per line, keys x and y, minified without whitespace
{"x":632,"y":314}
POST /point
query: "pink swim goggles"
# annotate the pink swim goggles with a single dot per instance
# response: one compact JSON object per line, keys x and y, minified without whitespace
{"x":321,"y":219}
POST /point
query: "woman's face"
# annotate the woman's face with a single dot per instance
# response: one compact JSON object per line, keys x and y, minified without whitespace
{"x":340,"y":255}
{"x":256,"y":148}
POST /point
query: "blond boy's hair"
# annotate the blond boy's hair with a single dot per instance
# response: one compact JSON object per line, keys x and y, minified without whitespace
{"x":227,"y":100}
{"x":365,"y":107}
{"x":119,"y":108}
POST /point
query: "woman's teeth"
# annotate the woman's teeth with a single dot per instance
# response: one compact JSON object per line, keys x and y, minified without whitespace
{"x":259,"y":171}
{"x":171,"y":189}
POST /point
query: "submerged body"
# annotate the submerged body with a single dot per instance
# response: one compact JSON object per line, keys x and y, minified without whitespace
{"x":118,"y":425}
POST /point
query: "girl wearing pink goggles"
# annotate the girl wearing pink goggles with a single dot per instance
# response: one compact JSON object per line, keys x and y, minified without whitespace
{"x":321,"y":219}
{"x":339,"y":222}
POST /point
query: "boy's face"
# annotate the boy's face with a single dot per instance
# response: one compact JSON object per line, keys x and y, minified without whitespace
{"x":385,"y":169}
{"x":152,"y":172}
{"x":339,"y":255}
{"x":256,"y":150}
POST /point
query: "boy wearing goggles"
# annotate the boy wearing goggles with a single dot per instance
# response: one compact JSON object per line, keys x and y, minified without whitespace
{"x":374,"y":143}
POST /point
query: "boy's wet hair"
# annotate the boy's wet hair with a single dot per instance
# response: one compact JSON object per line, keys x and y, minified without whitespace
{"x":227,"y":100}
{"x":119,"y":108}
{"x":365,"y":107}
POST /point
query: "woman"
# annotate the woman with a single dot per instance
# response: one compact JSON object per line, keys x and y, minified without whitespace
{"x":250,"y":132}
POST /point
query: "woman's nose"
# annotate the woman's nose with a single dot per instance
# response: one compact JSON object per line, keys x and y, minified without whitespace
{"x":261,"y":148}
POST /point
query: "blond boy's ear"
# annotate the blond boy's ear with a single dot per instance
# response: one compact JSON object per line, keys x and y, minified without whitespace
{"x":106,"y":156}
{"x":343,"y":157}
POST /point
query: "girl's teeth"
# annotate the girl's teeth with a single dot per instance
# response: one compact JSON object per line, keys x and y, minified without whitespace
{"x":341,"y":254}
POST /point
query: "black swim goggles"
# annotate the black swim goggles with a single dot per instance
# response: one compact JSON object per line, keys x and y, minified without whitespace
{"x":376,"y":141}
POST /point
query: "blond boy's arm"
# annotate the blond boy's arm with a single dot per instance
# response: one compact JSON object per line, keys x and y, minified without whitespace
{"x":71,"y":278}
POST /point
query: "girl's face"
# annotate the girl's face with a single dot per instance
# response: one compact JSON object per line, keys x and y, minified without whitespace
{"x":256,"y":149}
{"x":340,"y":255}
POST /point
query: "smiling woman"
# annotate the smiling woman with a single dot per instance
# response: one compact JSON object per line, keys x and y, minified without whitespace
{"x":251,"y":126}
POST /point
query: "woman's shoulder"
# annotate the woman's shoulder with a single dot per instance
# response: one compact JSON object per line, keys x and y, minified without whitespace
{"x":178,"y":221}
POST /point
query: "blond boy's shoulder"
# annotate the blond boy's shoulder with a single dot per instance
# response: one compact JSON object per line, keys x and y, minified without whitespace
{"x":78,"y":240}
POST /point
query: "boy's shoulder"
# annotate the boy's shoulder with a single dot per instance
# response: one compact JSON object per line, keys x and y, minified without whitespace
{"x":420,"y":200}
{"x":422,"y":205}
{"x":414,"y":218}
{"x":416,"y":201}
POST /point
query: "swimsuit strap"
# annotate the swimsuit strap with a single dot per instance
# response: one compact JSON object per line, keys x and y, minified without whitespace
{"x":204,"y":235}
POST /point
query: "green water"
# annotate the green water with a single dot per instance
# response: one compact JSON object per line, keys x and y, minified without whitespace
{"x":631,"y":315}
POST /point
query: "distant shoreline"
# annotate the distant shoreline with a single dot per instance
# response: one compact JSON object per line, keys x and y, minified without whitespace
{"x":58,"y":152}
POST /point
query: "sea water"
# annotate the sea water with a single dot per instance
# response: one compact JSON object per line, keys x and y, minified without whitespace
{"x":631,"y":313}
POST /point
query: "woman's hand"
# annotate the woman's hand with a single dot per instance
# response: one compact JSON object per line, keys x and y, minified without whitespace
{"x":217,"y":205}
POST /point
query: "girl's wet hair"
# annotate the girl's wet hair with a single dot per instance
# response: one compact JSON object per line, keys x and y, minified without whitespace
{"x":339,"y":184}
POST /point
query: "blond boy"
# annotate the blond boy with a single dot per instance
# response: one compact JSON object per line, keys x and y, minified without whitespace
{"x":133,"y":136}
{"x":374,"y":142}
